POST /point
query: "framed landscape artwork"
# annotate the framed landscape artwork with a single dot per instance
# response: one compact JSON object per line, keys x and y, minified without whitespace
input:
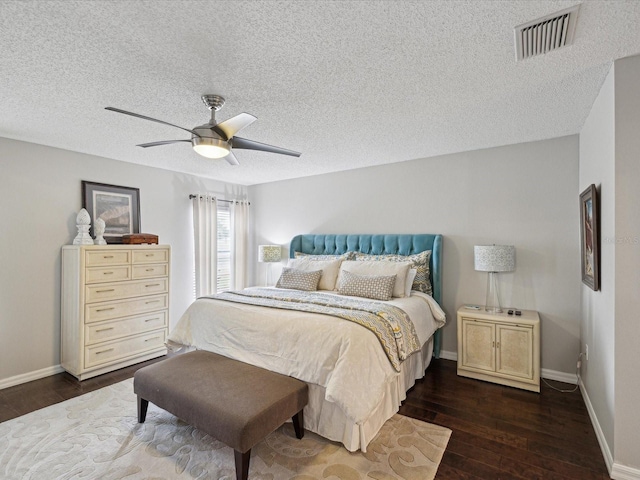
{"x":590,"y":238}
{"x":119,"y":207}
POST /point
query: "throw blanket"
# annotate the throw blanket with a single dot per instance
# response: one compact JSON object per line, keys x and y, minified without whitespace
{"x":390,"y":324}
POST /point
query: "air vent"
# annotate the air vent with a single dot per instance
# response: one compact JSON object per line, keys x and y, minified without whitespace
{"x":546,"y":34}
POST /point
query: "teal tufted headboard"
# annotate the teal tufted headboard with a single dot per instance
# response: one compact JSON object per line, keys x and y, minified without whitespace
{"x":377,"y":245}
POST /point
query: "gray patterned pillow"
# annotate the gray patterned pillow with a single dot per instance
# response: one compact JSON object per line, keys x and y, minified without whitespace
{"x":310,"y":256}
{"x":367,"y":286}
{"x":419,"y":261}
{"x":299,"y":279}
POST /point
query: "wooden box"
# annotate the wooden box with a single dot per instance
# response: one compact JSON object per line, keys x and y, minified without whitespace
{"x":139,"y":238}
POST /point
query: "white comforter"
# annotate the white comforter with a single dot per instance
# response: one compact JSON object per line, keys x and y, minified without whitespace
{"x":343,"y":357}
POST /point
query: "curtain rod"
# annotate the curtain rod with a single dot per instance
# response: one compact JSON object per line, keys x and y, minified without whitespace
{"x":192,"y":196}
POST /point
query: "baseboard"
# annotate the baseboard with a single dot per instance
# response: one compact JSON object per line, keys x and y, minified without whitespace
{"x":545,"y":373}
{"x":620,"y":472}
{"x":616,"y":471}
{"x":449,"y":355}
{"x":604,"y":446}
{"x":559,"y":376}
{"x":29,"y":377}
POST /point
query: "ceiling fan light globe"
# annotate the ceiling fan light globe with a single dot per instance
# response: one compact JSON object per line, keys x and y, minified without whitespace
{"x":211,"y":147}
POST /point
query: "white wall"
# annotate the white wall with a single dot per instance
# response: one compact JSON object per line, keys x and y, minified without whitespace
{"x":40,"y":195}
{"x":609,"y":149}
{"x":627,"y":264}
{"x":525,"y":195}
{"x":597,"y":166}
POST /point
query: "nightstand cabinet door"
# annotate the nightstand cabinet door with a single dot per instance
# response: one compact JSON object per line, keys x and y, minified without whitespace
{"x":515,"y":350}
{"x":479,"y":344}
{"x":500,"y":348}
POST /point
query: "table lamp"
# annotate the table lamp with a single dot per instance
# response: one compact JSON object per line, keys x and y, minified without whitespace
{"x":269,"y":254}
{"x":494,"y":259}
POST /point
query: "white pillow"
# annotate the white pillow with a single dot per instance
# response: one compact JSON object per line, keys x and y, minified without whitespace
{"x":329,"y":269}
{"x":411,"y":275}
{"x":373,"y":268}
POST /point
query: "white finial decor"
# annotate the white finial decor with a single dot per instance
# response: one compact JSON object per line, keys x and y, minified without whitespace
{"x":98,"y":228}
{"x":83,"y":222}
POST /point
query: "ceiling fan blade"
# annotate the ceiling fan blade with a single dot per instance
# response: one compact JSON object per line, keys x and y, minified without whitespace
{"x":238,"y":142}
{"x":163,"y":142}
{"x":117,"y":110}
{"x":231,"y":158}
{"x":233,"y":125}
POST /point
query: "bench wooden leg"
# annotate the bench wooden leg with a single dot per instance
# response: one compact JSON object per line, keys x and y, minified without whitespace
{"x":142,"y":409}
{"x":242,"y":464}
{"x":298,"y":424}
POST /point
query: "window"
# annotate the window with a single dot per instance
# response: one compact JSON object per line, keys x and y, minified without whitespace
{"x":224,"y":247}
{"x":220,"y":244}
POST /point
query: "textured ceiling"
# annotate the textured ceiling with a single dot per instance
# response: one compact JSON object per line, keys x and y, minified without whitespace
{"x":349,"y":84}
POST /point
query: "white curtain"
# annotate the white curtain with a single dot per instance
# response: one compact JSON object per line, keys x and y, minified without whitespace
{"x":239,"y":244}
{"x":205,"y":226}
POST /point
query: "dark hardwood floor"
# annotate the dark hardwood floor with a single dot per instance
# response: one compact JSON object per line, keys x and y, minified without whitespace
{"x":498,"y":432}
{"x":506,"y":433}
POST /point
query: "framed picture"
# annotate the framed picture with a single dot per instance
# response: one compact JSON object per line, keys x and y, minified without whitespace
{"x":590,"y":238}
{"x":119,"y":207}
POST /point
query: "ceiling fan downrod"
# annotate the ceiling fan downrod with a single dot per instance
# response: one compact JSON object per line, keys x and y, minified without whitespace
{"x":213,"y":103}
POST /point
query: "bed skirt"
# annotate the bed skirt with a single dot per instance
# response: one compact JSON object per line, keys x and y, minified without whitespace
{"x":328,"y":420}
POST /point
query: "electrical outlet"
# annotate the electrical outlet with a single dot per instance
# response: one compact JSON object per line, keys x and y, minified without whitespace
{"x":586,"y":352}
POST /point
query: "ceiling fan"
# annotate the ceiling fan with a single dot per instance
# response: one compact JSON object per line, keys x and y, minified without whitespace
{"x":215,"y":140}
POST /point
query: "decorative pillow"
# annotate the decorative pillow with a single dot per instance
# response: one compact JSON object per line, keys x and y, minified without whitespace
{"x":299,"y":280}
{"x":310,"y":256}
{"x":399,"y":269}
{"x":367,"y":286}
{"x":419,"y":261}
{"x":329,"y":269}
{"x":411,"y":275}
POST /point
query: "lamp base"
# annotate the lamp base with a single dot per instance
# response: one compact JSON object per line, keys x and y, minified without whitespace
{"x":492,"y":303}
{"x":493,"y":309}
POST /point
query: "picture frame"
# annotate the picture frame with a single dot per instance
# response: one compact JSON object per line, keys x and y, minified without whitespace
{"x":590,"y":238}
{"x":118,"y":206}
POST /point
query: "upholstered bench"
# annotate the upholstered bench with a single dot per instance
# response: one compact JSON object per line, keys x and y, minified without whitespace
{"x":234,"y":402}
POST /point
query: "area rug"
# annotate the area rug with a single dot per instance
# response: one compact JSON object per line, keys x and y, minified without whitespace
{"x":97,"y":436}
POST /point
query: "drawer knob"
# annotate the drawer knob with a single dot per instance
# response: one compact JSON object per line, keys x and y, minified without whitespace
{"x":152,"y":319}
{"x":152,"y":301}
{"x":104,"y":329}
{"x":104,"y":351}
{"x":151,"y":339}
{"x":152,"y":285}
{"x":105,"y":291}
{"x":149,"y":269}
{"x":108,"y":256}
{"x":104,"y":309}
{"x":107,"y":273}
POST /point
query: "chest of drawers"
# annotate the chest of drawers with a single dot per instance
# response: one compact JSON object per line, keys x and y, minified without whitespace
{"x":114,"y":306}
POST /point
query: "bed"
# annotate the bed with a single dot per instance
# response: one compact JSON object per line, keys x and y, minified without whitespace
{"x":354,"y":384}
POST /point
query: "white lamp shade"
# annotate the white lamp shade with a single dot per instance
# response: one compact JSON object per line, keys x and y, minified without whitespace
{"x":269,"y":253}
{"x":495,"y":258}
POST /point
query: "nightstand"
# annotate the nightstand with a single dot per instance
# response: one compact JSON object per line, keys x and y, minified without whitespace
{"x":500,"y":348}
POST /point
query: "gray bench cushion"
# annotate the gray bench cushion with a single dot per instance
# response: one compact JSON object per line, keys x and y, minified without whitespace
{"x":237,"y":403}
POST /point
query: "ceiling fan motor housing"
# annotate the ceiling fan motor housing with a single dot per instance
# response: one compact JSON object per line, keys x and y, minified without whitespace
{"x":209,"y":143}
